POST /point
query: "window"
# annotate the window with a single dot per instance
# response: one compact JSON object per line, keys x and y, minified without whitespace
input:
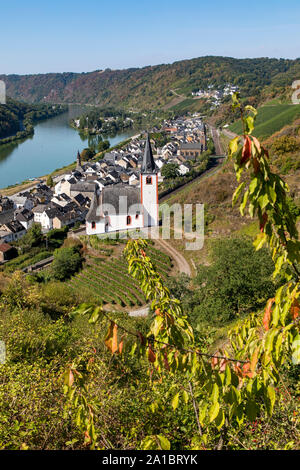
{"x":93,"y":225}
{"x":149,"y":180}
{"x":137,"y":215}
{"x":128,"y":220}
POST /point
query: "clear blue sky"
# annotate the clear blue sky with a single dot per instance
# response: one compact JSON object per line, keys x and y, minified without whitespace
{"x":71,"y":35}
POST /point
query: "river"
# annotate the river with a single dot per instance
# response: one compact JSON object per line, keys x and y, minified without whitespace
{"x":53,"y":145}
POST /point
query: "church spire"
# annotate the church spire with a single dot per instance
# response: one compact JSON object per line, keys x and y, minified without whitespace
{"x":148,"y":165}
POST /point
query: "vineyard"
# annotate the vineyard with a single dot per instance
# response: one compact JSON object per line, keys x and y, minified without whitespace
{"x":106,"y":279}
{"x":270,"y":119}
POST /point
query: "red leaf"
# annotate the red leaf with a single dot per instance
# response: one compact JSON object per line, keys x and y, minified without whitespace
{"x":246,"y":154}
{"x":263,"y":221}
{"x":70,"y":378}
{"x":267,"y":315}
{"x":295,"y":309}
{"x":257,"y":143}
{"x":121,"y":344}
{"x":256,"y":165}
{"x":246,"y":370}
{"x":214,"y":362}
{"x":141,"y":338}
{"x":223,"y":363}
{"x":151,"y":354}
{"x":111,"y":339}
{"x":237,"y":368}
{"x":167,"y":366}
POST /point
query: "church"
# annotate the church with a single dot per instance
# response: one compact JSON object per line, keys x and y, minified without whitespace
{"x":122,"y":207}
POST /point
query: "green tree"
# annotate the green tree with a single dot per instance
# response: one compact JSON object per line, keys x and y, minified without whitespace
{"x":87,"y":154}
{"x":32,"y":238}
{"x":66,"y":262}
{"x":237,"y":281}
{"x":170,"y":170}
{"x":50,"y":181}
{"x":103,"y":145}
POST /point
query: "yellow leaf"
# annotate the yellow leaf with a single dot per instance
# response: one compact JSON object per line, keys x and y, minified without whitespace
{"x":111,"y":338}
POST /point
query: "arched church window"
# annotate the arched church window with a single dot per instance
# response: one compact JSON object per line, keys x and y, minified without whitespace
{"x":128,"y":220}
{"x":93,"y":225}
{"x":149,"y":180}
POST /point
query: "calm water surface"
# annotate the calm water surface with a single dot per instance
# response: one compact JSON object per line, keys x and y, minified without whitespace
{"x":53,"y":145}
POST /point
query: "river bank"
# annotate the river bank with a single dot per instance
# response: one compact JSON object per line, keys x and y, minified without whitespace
{"x":51,"y":150}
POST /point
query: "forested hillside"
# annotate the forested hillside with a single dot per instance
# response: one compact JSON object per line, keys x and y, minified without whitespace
{"x":17,"y":119}
{"x":152,"y":86}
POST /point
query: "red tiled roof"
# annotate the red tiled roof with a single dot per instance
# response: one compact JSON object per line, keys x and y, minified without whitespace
{"x":5,"y":247}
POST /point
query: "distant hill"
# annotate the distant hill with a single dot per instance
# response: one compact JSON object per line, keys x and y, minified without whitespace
{"x":158,"y":86}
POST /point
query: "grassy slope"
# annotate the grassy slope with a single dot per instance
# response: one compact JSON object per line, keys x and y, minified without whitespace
{"x":270,"y":119}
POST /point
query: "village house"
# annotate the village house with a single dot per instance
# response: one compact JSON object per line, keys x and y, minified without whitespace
{"x":6,"y":204}
{"x":22,"y":202}
{"x":11,"y":231}
{"x":25,"y":217}
{"x":7,"y":252}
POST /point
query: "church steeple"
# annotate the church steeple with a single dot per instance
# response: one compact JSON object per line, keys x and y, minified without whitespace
{"x":78,"y":161}
{"x":148,"y":165}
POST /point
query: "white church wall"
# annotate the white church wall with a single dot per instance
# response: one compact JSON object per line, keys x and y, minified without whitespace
{"x":119,"y":222}
{"x":98,"y":228}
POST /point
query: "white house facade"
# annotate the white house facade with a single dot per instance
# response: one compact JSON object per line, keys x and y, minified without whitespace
{"x":123,"y":206}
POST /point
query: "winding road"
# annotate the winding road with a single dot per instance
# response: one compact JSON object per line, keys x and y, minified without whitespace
{"x":182,"y":264}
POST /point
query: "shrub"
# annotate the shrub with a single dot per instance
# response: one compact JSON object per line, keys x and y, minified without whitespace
{"x":67,"y":261}
{"x":238,"y":280}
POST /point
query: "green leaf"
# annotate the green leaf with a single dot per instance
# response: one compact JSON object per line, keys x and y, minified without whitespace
{"x":260,"y":241}
{"x":263,"y":200}
{"x":249,"y":121}
{"x":202,"y":412}
{"x":220,"y":420}
{"x":163,"y":442}
{"x":296,"y":350}
{"x":253,"y":185}
{"x":157,"y":324}
{"x":95,"y":315}
{"x":214,"y":411}
{"x":175,"y":401}
{"x":215,"y":393}
{"x":273,"y":194}
{"x":271,"y":397}
{"x":237,"y":193}
{"x":243,"y":205}
{"x":251,"y":410}
{"x":233,"y":145}
{"x":227,"y":375}
{"x":185,"y":396}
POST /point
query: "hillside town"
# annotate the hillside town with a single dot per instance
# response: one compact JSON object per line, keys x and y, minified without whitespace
{"x":216,"y":95}
{"x":68,"y":201}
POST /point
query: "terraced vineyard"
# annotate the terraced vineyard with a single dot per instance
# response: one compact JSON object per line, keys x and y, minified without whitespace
{"x":270,"y":119}
{"x":106,"y":279}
